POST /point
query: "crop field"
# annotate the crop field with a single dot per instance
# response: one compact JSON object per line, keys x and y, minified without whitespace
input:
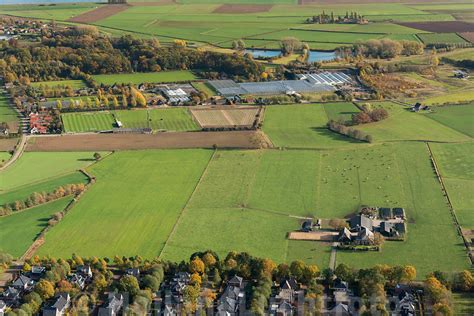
{"x":150,"y":77}
{"x":172,"y":119}
{"x":132,"y":211}
{"x":455,"y":164}
{"x":88,"y":121}
{"x":303,"y":126}
{"x":457,"y":117}
{"x":60,"y":12}
{"x":226,"y":117}
{"x":18,"y":230}
{"x":34,"y":167}
{"x":22,"y":192}
{"x":441,"y":38}
{"x":75,"y":84}
{"x":402,"y":124}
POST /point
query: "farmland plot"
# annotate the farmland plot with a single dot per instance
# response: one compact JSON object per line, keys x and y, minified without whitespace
{"x":226,"y":117}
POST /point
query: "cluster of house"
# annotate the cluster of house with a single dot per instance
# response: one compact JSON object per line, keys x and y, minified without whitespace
{"x":389,"y":222}
{"x":39,"y":121}
{"x":13,"y":27}
{"x":403,"y":300}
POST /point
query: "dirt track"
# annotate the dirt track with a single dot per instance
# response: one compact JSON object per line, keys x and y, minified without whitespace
{"x":243,"y":8}
{"x":100,"y":13}
{"x":93,"y":142}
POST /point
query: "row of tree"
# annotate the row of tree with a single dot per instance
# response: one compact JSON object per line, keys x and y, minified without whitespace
{"x":340,"y":128}
{"x":383,"y":48}
{"x":38,"y":198}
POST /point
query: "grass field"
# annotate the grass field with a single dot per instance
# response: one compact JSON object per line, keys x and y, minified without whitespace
{"x":463,"y":303}
{"x":303,"y":126}
{"x":403,"y":124}
{"x":172,"y":119}
{"x":151,"y":77}
{"x":21,"y":193}
{"x":7,"y":113}
{"x":4,"y":157}
{"x":441,"y":38}
{"x":459,"y":117}
{"x":18,"y":231}
{"x":267,"y":186}
{"x":75,"y":84}
{"x":132,"y":211}
{"x":451,"y":97}
{"x":88,"y":121}
{"x":455,"y":164}
{"x":35,"y":167}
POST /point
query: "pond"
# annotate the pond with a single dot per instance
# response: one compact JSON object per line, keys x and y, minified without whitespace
{"x":314,"y":55}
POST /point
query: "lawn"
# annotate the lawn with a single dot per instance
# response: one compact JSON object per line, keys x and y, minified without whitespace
{"x":269,"y":185}
{"x":4,"y":157}
{"x":170,"y":119}
{"x":402,"y":124}
{"x":303,"y":126}
{"x":34,"y":167}
{"x":88,"y":121}
{"x":132,"y":211}
{"x":21,"y":193}
{"x":18,"y":231}
{"x":75,"y":84}
{"x":150,"y":77}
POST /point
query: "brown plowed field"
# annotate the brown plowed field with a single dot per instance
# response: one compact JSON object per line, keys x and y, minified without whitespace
{"x":96,"y":142}
{"x":7,"y":144}
{"x":209,"y":118}
{"x":100,"y":13}
{"x":441,"y":27}
{"x":243,"y":8}
{"x":468,"y":36}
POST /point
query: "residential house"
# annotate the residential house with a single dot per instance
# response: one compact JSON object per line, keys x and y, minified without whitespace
{"x":344,"y":236}
{"x":357,"y":222}
{"x":133,"y":272}
{"x":233,"y":296}
{"x":85,"y":271}
{"x":11,"y":296}
{"x":59,"y":307}
{"x":78,"y":280}
{"x":113,"y":306}
{"x":341,"y":309}
{"x":37,"y":272}
{"x":364,"y":237}
{"x":23,"y":283}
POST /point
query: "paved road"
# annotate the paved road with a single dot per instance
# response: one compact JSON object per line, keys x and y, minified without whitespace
{"x":332,"y":259}
{"x":18,"y":152}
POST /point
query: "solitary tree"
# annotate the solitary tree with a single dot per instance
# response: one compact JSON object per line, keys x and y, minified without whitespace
{"x":97,"y":156}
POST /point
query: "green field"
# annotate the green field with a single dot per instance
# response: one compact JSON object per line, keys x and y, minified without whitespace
{"x":303,"y":126}
{"x":170,"y":119}
{"x":441,"y":38}
{"x":150,"y":77}
{"x":22,"y":193}
{"x":57,"y":12}
{"x":402,"y":124}
{"x":34,"y":167}
{"x":88,"y":121}
{"x":18,"y":231}
{"x":131,"y":211}
{"x":458,"y":117}
{"x":4,"y":157}
{"x":460,"y":96}
{"x":7,"y":113}
{"x":75,"y":84}
{"x":455,"y":164}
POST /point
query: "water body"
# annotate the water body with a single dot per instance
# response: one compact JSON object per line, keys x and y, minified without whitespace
{"x":44,"y":1}
{"x":314,"y":55}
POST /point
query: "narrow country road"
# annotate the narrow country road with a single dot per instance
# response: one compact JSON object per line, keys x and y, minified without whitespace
{"x":18,"y":152}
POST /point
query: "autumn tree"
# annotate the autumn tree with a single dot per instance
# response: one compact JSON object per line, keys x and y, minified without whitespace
{"x":45,"y":289}
{"x":197,"y":266}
